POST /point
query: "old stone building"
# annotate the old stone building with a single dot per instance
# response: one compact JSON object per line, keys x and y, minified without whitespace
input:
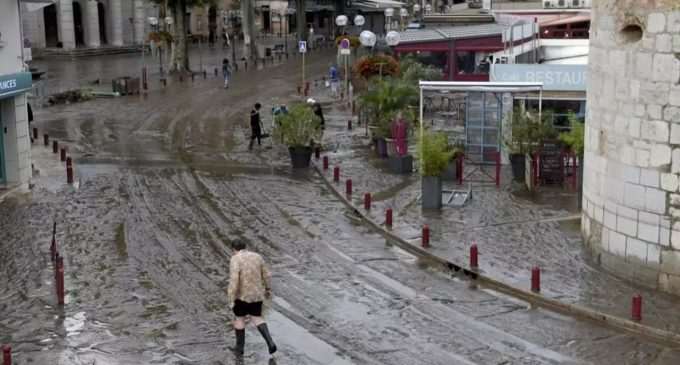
{"x":631,"y":203}
{"x":72,"y":24}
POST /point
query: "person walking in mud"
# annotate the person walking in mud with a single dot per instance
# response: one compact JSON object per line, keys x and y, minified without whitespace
{"x":249,"y":286}
{"x":255,"y":128}
{"x":226,"y":72}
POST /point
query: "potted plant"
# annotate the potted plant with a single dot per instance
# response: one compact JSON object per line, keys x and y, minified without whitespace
{"x":434,"y":154}
{"x":527,"y":134}
{"x":298,"y":129}
{"x":385,"y":100}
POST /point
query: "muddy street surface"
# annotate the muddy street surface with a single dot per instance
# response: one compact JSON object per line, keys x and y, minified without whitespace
{"x":167,"y":181}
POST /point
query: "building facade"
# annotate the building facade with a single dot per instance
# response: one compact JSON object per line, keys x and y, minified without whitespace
{"x":631,"y":204}
{"x":15,"y":146}
{"x":86,"y":23}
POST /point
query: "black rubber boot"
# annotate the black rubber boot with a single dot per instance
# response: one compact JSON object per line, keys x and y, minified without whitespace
{"x":240,"y":341}
{"x":264,"y":331}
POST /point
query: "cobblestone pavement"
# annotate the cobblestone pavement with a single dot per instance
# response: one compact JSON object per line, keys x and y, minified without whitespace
{"x":513,"y":230}
{"x":166,"y":182}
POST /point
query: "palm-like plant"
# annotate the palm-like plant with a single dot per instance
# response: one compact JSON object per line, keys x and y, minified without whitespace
{"x":385,"y":99}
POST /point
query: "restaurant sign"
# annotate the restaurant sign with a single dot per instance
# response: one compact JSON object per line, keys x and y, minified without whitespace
{"x":553,"y":77}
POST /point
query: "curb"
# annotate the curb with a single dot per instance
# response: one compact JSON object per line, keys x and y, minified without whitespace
{"x":572,"y":310}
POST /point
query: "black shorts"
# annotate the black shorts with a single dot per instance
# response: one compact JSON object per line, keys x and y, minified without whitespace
{"x":242,"y":309}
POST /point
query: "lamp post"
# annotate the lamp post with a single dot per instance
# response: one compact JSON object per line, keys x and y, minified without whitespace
{"x":200,"y":44}
{"x":389,"y":12}
{"x":153,"y":21}
{"x":168,"y":22}
{"x":403,"y":13}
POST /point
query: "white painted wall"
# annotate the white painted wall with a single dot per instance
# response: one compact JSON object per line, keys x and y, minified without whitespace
{"x":10,"y":28}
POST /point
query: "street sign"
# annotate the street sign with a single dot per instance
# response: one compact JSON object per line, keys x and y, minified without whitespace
{"x":344,"y":47}
{"x":302,"y":46}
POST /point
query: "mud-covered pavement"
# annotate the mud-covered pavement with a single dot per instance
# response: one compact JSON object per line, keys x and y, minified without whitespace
{"x":167,"y":182}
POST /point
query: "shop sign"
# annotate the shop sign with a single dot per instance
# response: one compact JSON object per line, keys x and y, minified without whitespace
{"x":14,"y":84}
{"x":553,"y":77}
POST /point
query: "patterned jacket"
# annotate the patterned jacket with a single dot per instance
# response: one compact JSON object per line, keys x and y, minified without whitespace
{"x":249,"y":278}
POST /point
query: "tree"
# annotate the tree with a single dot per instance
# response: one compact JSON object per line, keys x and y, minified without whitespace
{"x":178,"y":8}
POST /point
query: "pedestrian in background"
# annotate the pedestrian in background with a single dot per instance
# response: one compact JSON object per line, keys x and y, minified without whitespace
{"x":255,"y":129}
{"x":226,"y":72}
{"x":335,"y":82}
{"x":249,"y":286}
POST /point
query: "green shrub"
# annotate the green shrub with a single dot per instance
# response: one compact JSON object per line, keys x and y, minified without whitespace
{"x":574,"y":138}
{"x":434,"y":153}
{"x":299,"y":126}
{"x":528,"y":133}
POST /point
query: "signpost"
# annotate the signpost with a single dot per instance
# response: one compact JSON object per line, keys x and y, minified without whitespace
{"x":346,"y":51}
{"x":302,"y":47}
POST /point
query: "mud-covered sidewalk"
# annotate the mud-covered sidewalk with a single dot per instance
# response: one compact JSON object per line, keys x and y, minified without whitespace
{"x":513,"y":230}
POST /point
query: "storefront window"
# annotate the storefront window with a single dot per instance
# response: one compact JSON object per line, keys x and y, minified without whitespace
{"x":560,"y":110}
{"x":436,"y":59}
{"x":472,"y":63}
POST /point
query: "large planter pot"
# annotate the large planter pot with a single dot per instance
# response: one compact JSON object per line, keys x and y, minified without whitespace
{"x":300,"y":156}
{"x":431,"y":197}
{"x":518,"y":163}
{"x":401,"y":164}
{"x":381,"y":145}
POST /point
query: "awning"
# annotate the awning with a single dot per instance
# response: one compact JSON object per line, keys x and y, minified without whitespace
{"x":567,"y":20}
{"x":377,"y":5}
{"x":499,"y":87}
{"x":34,"y":5}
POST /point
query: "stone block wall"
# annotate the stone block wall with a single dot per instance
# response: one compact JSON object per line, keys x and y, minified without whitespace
{"x":631,"y":201}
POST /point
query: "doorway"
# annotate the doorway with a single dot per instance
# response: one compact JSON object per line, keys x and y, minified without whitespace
{"x":102,"y":23}
{"x":78,"y":24}
{"x":51,"y":26}
{"x":266,"y":20}
{"x":212,"y":25}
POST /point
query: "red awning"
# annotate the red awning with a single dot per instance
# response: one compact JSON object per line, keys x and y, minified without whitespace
{"x":568,"y":20}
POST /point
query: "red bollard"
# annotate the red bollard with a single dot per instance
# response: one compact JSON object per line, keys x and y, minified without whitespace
{"x":426,"y":236}
{"x":349,"y":125}
{"x":336,"y":174}
{"x":56,"y":266}
{"x":325,"y":162}
{"x":348,"y":187}
{"x":388,"y":218}
{"x":367,"y":201}
{"x":60,"y":281}
{"x":62,"y":156}
{"x":535,"y":279}
{"x":46,"y":138}
{"x":55,"y":147}
{"x":498,"y":169}
{"x":35,"y":133}
{"x":317,"y":152}
{"x":69,"y":171}
{"x":474,"y":256}
{"x":637,"y":307}
{"x":7,"y":355}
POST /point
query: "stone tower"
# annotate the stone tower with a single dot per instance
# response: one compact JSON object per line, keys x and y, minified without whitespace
{"x":631,"y":201}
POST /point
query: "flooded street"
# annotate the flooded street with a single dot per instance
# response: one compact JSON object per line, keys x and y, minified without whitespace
{"x":167,"y":182}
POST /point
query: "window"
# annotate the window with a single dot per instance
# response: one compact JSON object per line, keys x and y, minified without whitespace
{"x":472,"y":63}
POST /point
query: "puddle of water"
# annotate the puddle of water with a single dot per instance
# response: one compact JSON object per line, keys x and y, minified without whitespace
{"x":305,"y":342}
{"x":73,"y":325}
